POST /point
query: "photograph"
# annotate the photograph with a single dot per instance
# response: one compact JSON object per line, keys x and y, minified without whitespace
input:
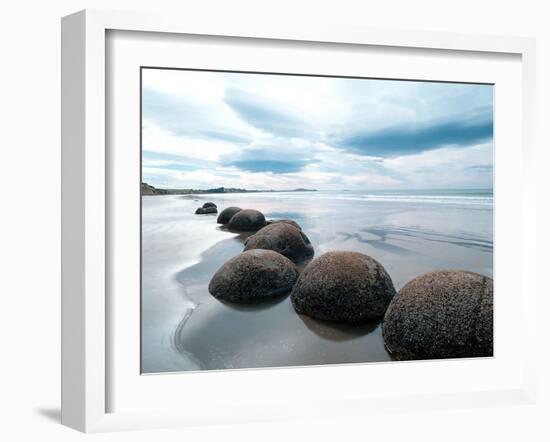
{"x":292,"y":220}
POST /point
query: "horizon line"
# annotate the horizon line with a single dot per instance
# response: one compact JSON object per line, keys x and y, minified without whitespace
{"x":319,"y":189}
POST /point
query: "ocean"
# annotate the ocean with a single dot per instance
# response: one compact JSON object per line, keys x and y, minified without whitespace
{"x":184,"y":328}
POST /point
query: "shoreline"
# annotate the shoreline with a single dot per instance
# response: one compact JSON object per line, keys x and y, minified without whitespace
{"x":202,"y":333}
{"x":148,"y":190}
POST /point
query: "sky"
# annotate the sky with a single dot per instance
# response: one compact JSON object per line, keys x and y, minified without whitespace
{"x":204,"y":130}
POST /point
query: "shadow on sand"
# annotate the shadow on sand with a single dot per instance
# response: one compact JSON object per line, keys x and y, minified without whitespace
{"x":255,"y":306}
{"x":333,"y":331}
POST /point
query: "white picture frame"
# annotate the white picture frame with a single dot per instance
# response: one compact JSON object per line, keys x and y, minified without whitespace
{"x":85,"y":202}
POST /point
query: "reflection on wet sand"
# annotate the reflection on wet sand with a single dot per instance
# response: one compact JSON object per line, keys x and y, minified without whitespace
{"x":334,"y":331}
{"x":219,"y":334}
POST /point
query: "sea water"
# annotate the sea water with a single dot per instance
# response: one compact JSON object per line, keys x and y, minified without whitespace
{"x":184,"y":328}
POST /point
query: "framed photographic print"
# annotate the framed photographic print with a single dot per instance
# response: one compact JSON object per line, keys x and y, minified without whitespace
{"x":338,"y":190}
{"x":264,"y":222}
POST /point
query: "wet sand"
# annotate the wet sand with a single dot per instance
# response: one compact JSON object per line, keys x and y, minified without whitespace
{"x":185,"y":328}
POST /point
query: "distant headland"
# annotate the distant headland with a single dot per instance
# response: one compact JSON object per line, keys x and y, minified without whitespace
{"x":147,"y":189}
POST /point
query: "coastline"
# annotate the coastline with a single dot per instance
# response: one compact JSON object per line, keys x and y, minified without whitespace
{"x":191,"y":330}
{"x":148,"y":190}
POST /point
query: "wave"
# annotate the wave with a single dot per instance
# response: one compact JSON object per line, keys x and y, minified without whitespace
{"x":477,"y":200}
{"x":432,"y":199}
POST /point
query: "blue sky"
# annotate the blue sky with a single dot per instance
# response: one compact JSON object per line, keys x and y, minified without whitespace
{"x":211,"y":129}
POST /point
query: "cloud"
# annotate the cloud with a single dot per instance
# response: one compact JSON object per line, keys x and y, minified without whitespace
{"x":408,"y":139}
{"x":156,"y":139}
{"x":211,"y":129}
{"x":185,"y":117}
{"x":480,"y":168}
{"x":448,"y":167}
{"x":274,"y":166}
{"x":273,"y":154}
{"x":266,"y":114}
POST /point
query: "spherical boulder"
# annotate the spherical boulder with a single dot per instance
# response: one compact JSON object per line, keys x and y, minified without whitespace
{"x":247,"y":219}
{"x":208,"y":204}
{"x":254,"y":275}
{"x":282,"y":238}
{"x":343,"y":286}
{"x":441,"y":314}
{"x":285,"y":221}
{"x":227,"y":213}
{"x":205,"y":210}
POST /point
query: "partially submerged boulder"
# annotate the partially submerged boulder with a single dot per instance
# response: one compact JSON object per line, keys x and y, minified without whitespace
{"x":205,"y":210}
{"x":282,"y":238}
{"x":246,"y":220}
{"x":227,"y":213}
{"x":343,"y":286}
{"x":252,"y":276}
{"x":441,"y":314}
{"x":208,"y":204}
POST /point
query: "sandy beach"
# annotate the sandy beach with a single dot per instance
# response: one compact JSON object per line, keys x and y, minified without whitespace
{"x":185,"y":328}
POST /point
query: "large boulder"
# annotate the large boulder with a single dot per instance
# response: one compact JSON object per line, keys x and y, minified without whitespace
{"x":285,"y":221}
{"x":208,"y":204}
{"x":282,"y":238}
{"x":253,"y":276}
{"x":247,"y":219}
{"x":205,"y":210}
{"x":441,"y":314}
{"x":227,"y":213}
{"x":342,"y":286}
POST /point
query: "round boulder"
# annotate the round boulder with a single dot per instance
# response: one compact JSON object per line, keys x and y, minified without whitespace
{"x":441,"y":314}
{"x":205,"y":210}
{"x":285,"y":221}
{"x":282,"y":238}
{"x":342,"y":286}
{"x":227,"y":213}
{"x":253,"y":276}
{"x":247,"y":219}
{"x":208,"y":204}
